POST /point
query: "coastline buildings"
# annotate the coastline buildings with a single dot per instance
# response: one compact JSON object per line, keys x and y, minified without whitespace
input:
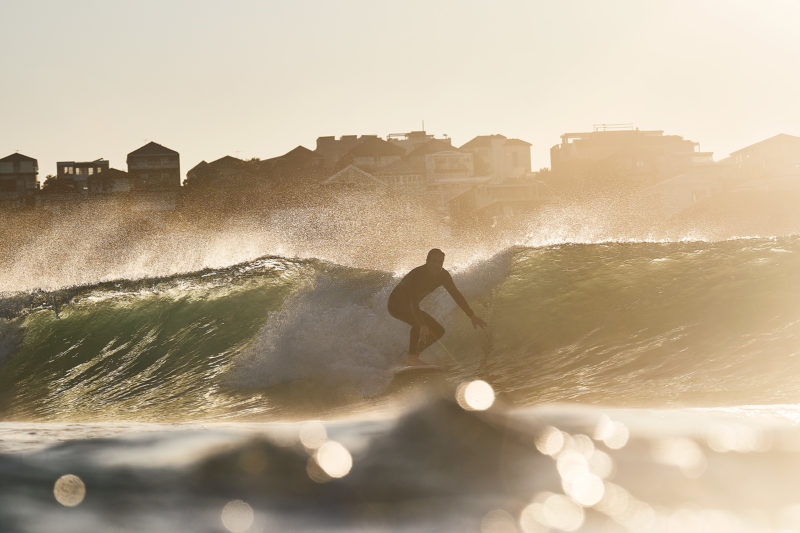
{"x":612,"y":157}
{"x":75,"y":175}
{"x":771,"y":164}
{"x":484,"y":180}
{"x":499,"y":157}
{"x":154,"y":168}
{"x":412,"y":139}
{"x":151,"y":184}
{"x":18,"y":184}
{"x":209,"y":174}
{"x":419,"y":165}
{"x":331,"y":149}
{"x":110,"y":182}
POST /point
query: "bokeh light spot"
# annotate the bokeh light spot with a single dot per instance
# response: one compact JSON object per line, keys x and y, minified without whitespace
{"x":313,"y":435}
{"x":237,"y":516}
{"x":601,"y":464}
{"x":498,"y":521}
{"x":682,"y":452}
{"x":69,"y":490}
{"x":559,"y":512}
{"x":612,"y":433}
{"x":475,"y":396}
{"x":334,"y":459}
{"x":550,"y":441}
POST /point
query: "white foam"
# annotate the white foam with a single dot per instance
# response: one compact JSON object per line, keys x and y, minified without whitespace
{"x":336,"y":331}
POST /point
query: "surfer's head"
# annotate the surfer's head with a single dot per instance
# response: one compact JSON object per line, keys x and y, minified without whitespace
{"x":435,"y":260}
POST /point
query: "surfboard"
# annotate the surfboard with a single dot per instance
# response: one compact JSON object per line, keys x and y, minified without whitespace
{"x":414,"y":369}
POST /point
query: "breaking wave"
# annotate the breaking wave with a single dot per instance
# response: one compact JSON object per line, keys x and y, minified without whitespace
{"x":637,"y":323}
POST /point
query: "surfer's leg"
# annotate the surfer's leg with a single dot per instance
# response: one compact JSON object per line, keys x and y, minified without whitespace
{"x":401,"y":313}
{"x":435,"y":332}
{"x":413,"y":341}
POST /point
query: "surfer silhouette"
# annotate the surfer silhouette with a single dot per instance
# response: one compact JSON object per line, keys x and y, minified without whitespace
{"x":405,"y":298}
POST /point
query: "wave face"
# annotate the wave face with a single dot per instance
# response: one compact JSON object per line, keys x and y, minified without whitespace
{"x":689,"y":323}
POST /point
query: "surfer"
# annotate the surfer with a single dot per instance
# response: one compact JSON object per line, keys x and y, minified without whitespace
{"x":405,"y":298}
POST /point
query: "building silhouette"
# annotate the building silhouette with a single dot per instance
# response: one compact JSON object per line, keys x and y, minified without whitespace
{"x":622,"y":157}
{"x":499,"y":157}
{"x":74,"y":175}
{"x":769,"y":162}
{"x":154,"y":168}
{"x":18,"y":183}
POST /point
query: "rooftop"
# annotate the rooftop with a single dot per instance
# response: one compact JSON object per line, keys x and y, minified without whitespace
{"x":17,"y":157}
{"x":152,"y":148}
{"x":781,"y":138}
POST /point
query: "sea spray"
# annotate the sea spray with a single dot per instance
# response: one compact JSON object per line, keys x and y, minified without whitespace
{"x":635,"y":323}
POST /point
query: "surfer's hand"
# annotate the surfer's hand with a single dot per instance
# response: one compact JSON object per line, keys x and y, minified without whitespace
{"x":477,"y":322}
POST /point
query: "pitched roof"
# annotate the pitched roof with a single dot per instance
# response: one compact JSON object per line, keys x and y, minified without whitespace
{"x":780,"y":138}
{"x":153,"y":148}
{"x":518,"y":141}
{"x":17,"y":157}
{"x":224,"y":161}
{"x":352,"y":171}
{"x":110,"y":173}
{"x":197,"y":167}
{"x":482,"y":140}
{"x":298,"y":151}
{"x":114,"y":173}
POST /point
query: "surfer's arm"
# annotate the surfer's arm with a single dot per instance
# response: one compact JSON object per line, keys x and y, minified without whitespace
{"x":456,"y":295}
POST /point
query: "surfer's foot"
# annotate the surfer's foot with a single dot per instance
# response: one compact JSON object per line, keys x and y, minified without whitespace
{"x":414,"y":360}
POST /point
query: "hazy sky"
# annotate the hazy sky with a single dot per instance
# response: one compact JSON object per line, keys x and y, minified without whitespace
{"x":89,"y":79}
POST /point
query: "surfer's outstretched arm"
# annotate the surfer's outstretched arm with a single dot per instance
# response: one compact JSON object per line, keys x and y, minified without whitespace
{"x":461,"y":301}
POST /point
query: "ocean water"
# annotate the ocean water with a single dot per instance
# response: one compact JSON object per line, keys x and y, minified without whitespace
{"x":619,"y":386}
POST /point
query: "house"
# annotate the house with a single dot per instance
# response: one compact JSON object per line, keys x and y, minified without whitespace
{"x":18,"y":183}
{"x":352,"y":177}
{"x":411,"y":140}
{"x":697,"y":185}
{"x":74,"y":175}
{"x":109,"y":182}
{"x":499,"y":157}
{"x":297,"y":164}
{"x":449,"y":164}
{"x":417,"y":169}
{"x":372,"y":154}
{"x":614,"y":157}
{"x":330,"y":149}
{"x":416,"y":172}
{"x":154,"y":168}
{"x":206,"y":174}
{"x":771,"y":164}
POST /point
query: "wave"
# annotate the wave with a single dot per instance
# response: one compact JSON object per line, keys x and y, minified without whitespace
{"x":655,"y":323}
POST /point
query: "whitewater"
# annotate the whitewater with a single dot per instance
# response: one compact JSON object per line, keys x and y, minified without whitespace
{"x":642,"y":385}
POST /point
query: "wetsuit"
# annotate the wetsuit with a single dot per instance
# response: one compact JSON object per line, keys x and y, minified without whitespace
{"x":405,"y":298}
